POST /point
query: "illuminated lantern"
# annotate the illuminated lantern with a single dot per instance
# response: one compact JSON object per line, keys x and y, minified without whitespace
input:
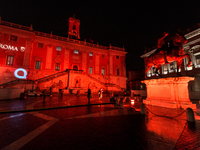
{"x":18,"y":76}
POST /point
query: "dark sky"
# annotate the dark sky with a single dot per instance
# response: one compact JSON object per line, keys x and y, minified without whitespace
{"x":132,"y":24}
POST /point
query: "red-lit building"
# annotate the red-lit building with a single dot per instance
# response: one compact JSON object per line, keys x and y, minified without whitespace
{"x":58,"y":62}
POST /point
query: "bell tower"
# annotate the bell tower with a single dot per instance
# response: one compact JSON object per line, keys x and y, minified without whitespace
{"x":74,"y":28}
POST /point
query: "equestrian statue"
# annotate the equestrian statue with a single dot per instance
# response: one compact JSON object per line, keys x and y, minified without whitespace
{"x":167,"y":51}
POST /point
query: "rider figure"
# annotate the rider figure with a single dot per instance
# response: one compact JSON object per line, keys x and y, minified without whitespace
{"x":161,"y":45}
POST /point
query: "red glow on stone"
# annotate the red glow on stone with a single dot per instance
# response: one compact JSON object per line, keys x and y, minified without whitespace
{"x":169,"y":92}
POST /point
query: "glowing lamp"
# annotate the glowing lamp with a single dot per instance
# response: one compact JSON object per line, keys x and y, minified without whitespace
{"x":20,"y":77}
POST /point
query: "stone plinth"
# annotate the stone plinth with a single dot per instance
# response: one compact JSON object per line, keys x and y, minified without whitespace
{"x":169,"y":92}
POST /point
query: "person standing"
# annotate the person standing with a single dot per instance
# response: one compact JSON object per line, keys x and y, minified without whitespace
{"x":88,"y":95}
{"x":99,"y":92}
{"x":44,"y":95}
{"x":61,"y":93}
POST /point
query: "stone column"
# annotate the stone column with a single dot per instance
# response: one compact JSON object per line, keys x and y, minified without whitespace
{"x":66,"y":59}
{"x":49,"y":56}
{"x":110,"y":64}
{"x":84,"y":60}
{"x":27,"y":53}
{"x":124,"y":66}
{"x":97,"y":64}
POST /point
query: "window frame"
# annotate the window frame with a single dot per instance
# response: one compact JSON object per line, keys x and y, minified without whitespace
{"x":13,"y":38}
{"x":90,"y":69}
{"x":57,"y":66}
{"x":118,"y":72}
{"x":58,"y":48}
{"x":38,"y":64}
{"x":91,"y":54}
{"x":102,"y":71}
{"x":39,"y":45}
{"x":76,"y":51}
{"x":12,"y":60}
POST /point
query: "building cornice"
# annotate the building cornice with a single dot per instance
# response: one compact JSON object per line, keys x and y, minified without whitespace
{"x":55,"y":37}
{"x":192,"y":34}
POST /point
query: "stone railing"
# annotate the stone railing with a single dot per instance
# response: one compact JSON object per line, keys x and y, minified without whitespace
{"x":191,"y":28}
{"x":52,"y":76}
{"x":70,"y":40}
{"x":15,"y":25}
{"x":117,"y":48}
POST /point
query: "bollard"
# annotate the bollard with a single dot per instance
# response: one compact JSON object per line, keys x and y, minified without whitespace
{"x":142,"y":109}
{"x":190,"y":115}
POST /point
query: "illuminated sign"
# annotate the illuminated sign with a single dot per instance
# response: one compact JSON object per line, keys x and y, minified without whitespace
{"x":9,"y":47}
{"x":18,"y":76}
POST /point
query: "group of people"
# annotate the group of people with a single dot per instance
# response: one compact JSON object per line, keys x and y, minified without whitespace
{"x":100,"y":93}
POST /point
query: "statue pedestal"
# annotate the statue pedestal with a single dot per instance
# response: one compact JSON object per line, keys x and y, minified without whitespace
{"x":169,"y":92}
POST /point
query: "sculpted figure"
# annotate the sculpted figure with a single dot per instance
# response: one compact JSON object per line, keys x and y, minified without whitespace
{"x":162,"y":45}
{"x":165,"y":54}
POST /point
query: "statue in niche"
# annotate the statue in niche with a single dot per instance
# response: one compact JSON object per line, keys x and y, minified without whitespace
{"x":77,"y":84}
{"x":167,"y":52}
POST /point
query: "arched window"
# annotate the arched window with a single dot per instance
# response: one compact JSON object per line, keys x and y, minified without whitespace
{"x":75,"y":68}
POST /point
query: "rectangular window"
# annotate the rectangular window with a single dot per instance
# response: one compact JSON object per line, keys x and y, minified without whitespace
{"x":103,"y":56}
{"x":90,"y":54}
{"x":13,"y":38}
{"x":103,"y":71}
{"x":40,"y":45}
{"x":118,"y":72}
{"x":57,"y":67}
{"x":172,"y":66}
{"x":90,"y":70}
{"x":76,"y":52}
{"x":165,"y":69}
{"x":58,"y":48}
{"x":197,"y":61}
{"x":37,"y":64}
{"x":10,"y":60}
{"x":117,"y":57}
{"x":153,"y":70}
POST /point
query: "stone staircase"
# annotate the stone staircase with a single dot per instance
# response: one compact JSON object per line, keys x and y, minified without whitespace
{"x":105,"y":84}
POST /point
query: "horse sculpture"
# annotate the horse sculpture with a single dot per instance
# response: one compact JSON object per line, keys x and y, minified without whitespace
{"x":174,"y":52}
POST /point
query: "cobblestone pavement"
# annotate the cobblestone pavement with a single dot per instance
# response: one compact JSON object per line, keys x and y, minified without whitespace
{"x":94,"y":127}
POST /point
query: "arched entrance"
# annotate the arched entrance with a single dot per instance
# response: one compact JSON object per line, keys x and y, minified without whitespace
{"x":75,"y":68}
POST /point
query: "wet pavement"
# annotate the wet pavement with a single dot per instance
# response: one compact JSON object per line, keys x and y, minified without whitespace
{"x":94,"y":126}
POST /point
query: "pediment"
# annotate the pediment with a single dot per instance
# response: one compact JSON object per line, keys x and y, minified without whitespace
{"x":37,"y":58}
{"x":11,"y":53}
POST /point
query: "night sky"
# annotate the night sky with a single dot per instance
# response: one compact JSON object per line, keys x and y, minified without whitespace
{"x":132,"y":24}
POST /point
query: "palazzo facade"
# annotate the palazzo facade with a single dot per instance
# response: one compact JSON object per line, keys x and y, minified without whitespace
{"x":46,"y":61}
